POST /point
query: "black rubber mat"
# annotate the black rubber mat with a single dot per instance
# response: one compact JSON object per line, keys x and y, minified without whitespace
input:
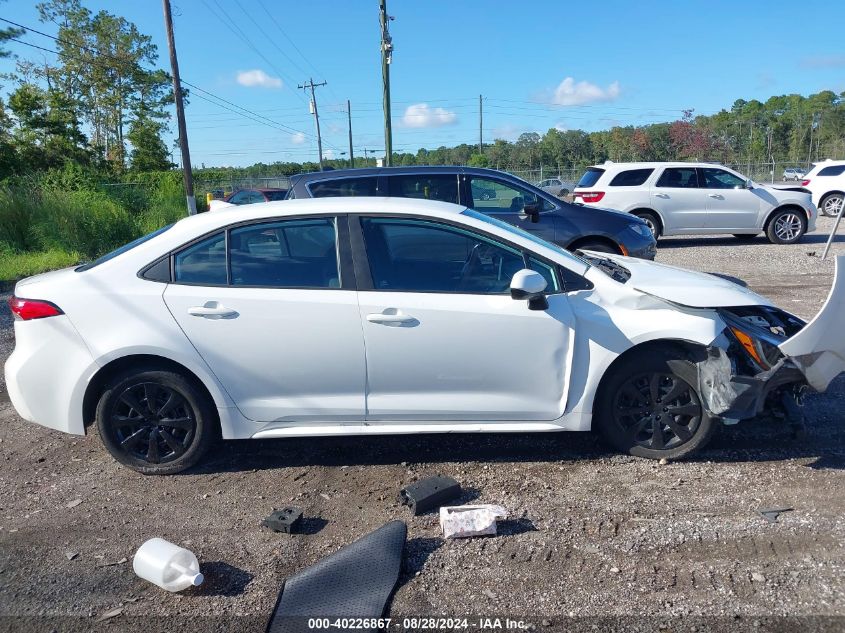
{"x":354,"y":582}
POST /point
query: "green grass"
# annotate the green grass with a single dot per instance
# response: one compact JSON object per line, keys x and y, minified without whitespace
{"x":14,"y":266}
{"x":55,"y":219}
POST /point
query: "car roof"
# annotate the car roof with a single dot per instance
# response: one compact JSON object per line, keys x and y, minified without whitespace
{"x":315,"y":206}
{"x":654,"y":164}
{"x":384,"y":171}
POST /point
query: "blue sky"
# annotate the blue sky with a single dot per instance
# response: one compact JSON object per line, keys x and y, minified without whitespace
{"x":538,"y":64}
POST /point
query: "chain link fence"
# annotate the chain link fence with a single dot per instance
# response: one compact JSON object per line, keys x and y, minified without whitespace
{"x":225,"y":186}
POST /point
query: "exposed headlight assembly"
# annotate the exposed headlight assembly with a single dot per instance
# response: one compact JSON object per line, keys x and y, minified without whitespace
{"x":759,"y":330}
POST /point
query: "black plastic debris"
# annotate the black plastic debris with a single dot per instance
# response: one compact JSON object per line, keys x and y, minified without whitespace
{"x":355,"y":582}
{"x":286,"y":520}
{"x":771,"y":514}
{"x":429,"y":493}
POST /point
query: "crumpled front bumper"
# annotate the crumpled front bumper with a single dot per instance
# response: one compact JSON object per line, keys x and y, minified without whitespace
{"x":812,"y":357}
{"x":731,"y":396}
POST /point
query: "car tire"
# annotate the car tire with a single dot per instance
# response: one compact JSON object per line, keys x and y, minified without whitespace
{"x":786,"y":226}
{"x":140,"y":434}
{"x":745,"y":237}
{"x":830,"y":204}
{"x":635,"y":422}
{"x":562,"y":193}
{"x":599,"y":247}
{"x":653,"y":221}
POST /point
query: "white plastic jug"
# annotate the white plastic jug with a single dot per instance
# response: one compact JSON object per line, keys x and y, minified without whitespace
{"x":167,"y":565}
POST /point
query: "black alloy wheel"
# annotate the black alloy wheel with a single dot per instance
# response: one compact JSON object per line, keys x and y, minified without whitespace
{"x":153,"y":423}
{"x":643,"y":408}
{"x":658,"y":411}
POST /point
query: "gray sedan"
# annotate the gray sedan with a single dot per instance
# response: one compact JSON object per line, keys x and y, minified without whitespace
{"x":494,"y":193}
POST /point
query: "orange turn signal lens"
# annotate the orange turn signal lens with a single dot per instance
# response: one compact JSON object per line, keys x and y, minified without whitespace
{"x":749,"y":346}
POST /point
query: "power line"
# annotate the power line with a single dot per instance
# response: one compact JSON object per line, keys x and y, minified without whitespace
{"x":270,"y":39}
{"x":270,"y":122}
{"x":233,"y":26}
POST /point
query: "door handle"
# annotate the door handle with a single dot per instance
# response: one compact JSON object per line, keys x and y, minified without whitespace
{"x":661,"y":195}
{"x":396,"y":318}
{"x":718,"y":196}
{"x":212,"y":310}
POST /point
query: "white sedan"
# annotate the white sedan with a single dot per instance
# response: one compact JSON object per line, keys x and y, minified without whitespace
{"x":381,"y":316}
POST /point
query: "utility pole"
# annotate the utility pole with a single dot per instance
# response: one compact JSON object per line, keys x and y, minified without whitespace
{"x":480,"y":119}
{"x":187,"y":175}
{"x":349,"y":119}
{"x":313,"y":105}
{"x":386,"y":58}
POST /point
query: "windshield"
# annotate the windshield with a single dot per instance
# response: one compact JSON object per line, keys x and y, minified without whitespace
{"x":529,"y":236}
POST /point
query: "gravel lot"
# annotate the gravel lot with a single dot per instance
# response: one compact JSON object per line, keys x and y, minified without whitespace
{"x":594,"y":538}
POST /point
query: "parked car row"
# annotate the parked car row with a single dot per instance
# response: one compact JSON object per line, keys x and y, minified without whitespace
{"x":699,"y":199}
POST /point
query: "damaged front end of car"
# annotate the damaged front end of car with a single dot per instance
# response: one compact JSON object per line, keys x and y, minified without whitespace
{"x":766,"y":359}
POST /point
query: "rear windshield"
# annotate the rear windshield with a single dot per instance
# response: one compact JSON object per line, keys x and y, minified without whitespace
{"x":835,"y":170}
{"x":630,"y":178}
{"x":590,"y":177}
{"x":123,"y":249}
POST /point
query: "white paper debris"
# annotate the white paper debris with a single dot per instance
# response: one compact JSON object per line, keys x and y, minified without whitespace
{"x":464,"y":521}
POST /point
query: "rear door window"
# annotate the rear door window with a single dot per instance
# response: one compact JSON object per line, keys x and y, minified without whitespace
{"x":345,"y":187}
{"x":631,"y":177}
{"x":286,"y":254}
{"x":678,"y":178}
{"x":202,"y":263}
{"x":590,"y":177}
{"x":443,"y":187}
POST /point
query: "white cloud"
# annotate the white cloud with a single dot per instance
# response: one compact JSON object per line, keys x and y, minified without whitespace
{"x":297,"y":138}
{"x":258,"y":79}
{"x":421,"y":115}
{"x":569,"y":93}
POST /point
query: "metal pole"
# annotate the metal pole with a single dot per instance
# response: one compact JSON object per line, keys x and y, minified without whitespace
{"x":187,"y":175}
{"x":386,"y":58}
{"x":349,"y":118}
{"x":835,"y":229}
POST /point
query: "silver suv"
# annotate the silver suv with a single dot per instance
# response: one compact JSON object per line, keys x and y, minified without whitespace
{"x":699,"y":199}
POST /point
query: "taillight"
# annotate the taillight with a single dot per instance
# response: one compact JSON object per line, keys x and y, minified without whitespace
{"x":28,"y":309}
{"x":804,"y":183}
{"x":590,"y":196}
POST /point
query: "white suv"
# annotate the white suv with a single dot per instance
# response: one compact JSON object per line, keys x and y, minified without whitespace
{"x":698,"y":198}
{"x":826,"y":183}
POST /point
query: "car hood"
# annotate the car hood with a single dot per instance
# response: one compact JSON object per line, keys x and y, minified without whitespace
{"x":686,"y":287}
{"x":776,"y":189}
{"x":819,"y":348}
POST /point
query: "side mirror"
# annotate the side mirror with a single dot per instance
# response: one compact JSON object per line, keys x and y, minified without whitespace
{"x":749,"y":184}
{"x":531,"y":210}
{"x":529,"y":285}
